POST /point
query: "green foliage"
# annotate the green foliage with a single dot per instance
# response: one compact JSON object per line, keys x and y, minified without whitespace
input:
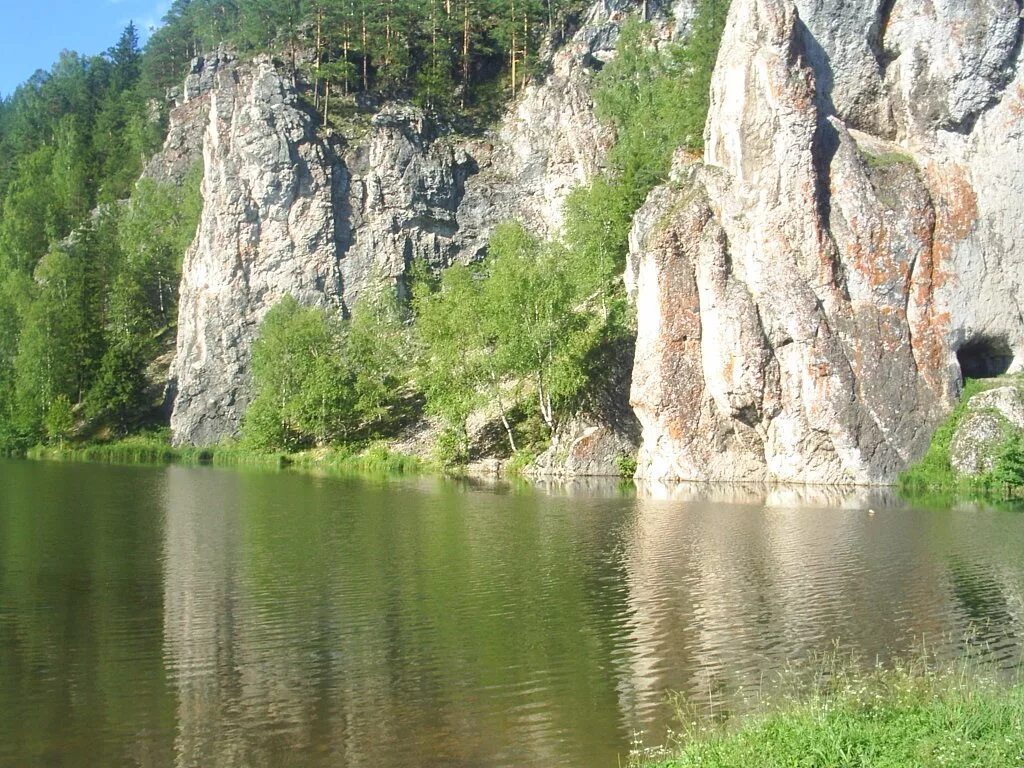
{"x":1009,"y":465}
{"x":627,"y":465}
{"x":521,"y":321}
{"x":154,"y":231}
{"x":376,"y":460}
{"x":119,"y":393}
{"x":60,"y":420}
{"x":82,"y":320}
{"x":319,"y":380}
{"x":303,"y":390}
{"x":451,"y":446}
{"x":446,"y":54}
{"x":31,"y":218}
{"x":61,"y":340}
{"x":657,"y":98}
{"x":377,"y":344}
{"x":155,"y":448}
{"x":934,"y":468}
{"x":934,"y":472}
{"x":70,"y":139}
{"x":520,"y":462}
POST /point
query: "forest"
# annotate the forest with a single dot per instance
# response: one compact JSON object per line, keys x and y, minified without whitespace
{"x":453,"y":56}
{"x":90,"y":258}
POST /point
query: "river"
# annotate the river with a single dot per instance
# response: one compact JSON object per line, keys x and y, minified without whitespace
{"x":203,"y":617}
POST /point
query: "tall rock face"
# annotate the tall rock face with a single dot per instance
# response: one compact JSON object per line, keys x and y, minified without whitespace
{"x":270,"y":190}
{"x":809,"y":296}
{"x":291,"y":209}
{"x":189,"y":120}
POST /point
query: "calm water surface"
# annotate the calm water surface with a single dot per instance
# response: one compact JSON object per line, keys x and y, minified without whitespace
{"x":193,"y":617}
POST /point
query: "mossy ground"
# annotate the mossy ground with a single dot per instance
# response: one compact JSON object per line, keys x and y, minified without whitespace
{"x":886,"y":159}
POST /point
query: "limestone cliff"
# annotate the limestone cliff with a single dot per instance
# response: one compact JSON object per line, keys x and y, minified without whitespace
{"x":267,"y":230}
{"x":810,"y":293}
{"x":290,"y":208}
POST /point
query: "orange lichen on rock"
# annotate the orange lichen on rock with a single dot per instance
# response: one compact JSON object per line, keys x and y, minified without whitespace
{"x":956,"y":205}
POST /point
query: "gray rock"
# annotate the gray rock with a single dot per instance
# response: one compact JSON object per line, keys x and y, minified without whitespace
{"x":588,"y":449}
{"x":267,"y":231}
{"x":183,"y":147}
{"x":802,"y":295}
{"x":973,"y":449}
{"x":982,"y":430}
{"x":887,"y":67}
{"x":405,"y":191}
{"x":949,"y":60}
{"x":289,"y":212}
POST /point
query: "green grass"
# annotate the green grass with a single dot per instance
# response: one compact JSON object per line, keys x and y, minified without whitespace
{"x":911,"y":717}
{"x":150,"y":449}
{"x":521,"y":460}
{"x":376,"y":460}
{"x":886,"y":159}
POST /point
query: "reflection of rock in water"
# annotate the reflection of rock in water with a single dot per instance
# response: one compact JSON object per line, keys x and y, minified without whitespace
{"x":245,"y":680}
{"x":238,"y":701}
{"x":198,"y":611}
{"x":987,"y":606}
{"x":728,"y":583}
{"x":771,"y":494}
{"x":294,"y":638}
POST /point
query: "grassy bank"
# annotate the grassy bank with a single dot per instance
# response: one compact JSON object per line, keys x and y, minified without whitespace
{"x":156,"y":449}
{"x":376,"y":459}
{"x":912,"y":717}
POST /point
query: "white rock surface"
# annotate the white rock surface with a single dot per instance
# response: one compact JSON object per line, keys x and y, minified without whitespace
{"x":802,"y":294}
{"x":267,"y":231}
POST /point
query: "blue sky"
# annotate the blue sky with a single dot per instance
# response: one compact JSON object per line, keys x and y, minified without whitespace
{"x":34,"y":32}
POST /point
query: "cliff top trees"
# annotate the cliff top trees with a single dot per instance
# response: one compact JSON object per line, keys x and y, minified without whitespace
{"x":445,"y":54}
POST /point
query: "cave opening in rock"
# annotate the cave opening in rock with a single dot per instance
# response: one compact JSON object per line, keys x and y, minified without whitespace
{"x":984,"y":358}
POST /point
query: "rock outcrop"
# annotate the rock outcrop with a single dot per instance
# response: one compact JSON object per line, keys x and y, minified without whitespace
{"x":803,"y":293}
{"x":188,"y":121}
{"x":991,"y":416}
{"x":270,"y":189}
{"x":291,"y":211}
{"x":809,"y":293}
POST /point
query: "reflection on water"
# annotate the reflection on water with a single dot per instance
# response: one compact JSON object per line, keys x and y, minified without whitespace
{"x":196,"y":617}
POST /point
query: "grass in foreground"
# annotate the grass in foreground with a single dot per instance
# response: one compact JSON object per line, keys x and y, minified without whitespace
{"x":910,"y":717}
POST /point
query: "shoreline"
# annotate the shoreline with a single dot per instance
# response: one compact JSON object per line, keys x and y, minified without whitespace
{"x":377,"y":460}
{"x":368,"y":460}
